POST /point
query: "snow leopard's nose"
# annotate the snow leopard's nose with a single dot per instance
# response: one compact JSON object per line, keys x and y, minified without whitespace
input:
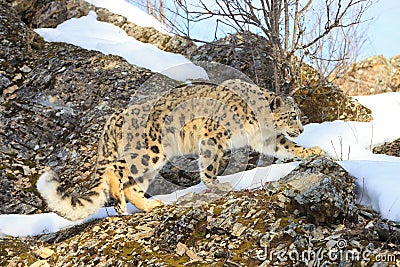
{"x":301,"y":130}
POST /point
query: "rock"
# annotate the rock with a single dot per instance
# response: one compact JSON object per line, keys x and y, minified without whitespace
{"x":328,"y":103}
{"x":44,"y":253}
{"x":25,"y":69}
{"x":174,"y":44}
{"x":373,"y":75}
{"x":143,"y":234}
{"x":181,"y":249}
{"x":40,"y":263}
{"x":321,"y":190}
{"x":47,"y":13}
{"x":389,"y":148}
{"x":10,"y":90}
{"x":238,"y":229}
{"x":192,"y":255}
{"x":246,"y":52}
{"x":4,"y":82}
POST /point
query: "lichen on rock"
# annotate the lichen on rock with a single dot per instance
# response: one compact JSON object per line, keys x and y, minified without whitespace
{"x":388,"y":148}
{"x":328,"y":102}
{"x":321,"y":190}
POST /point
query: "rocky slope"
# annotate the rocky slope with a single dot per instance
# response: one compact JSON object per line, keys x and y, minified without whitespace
{"x":373,"y":75}
{"x":54,"y":101}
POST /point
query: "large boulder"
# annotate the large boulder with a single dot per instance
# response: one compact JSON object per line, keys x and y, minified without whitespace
{"x":323,"y":101}
{"x":328,"y":102}
{"x":319,"y":189}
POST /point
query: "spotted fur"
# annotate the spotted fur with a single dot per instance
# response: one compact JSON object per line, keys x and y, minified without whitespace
{"x":200,"y":119}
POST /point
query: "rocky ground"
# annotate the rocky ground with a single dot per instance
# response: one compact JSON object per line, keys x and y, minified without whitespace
{"x":54,"y":101}
{"x":312,"y":210}
{"x":390,"y":148}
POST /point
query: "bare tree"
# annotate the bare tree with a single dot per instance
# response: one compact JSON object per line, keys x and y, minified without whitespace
{"x":336,"y":50}
{"x":156,"y":8}
{"x":295,"y":30}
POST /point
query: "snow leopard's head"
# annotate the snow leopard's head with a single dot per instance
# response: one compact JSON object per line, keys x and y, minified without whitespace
{"x":287,"y":116}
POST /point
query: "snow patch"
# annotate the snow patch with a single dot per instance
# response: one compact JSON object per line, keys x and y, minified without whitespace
{"x":131,"y":13}
{"x":91,"y":34}
{"x":377,"y":185}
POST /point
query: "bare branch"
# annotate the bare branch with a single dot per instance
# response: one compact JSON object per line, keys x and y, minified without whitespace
{"x":316,"y":31}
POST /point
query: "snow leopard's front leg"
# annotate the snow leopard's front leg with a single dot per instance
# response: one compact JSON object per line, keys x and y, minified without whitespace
{"x":287,"y":149}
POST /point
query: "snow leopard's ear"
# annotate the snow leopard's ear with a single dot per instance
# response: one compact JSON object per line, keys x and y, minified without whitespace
{"x":276,"y":103}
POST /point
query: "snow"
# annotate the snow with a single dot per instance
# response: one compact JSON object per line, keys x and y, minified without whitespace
{"x":89,"y":33}
{"x":350,"y":143}
{"x":377,"y":185}
{"x":26,"y":225}
{"x":131,"y":13}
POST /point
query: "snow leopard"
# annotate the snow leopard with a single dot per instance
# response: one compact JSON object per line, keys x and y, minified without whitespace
{"x":200,"y":118}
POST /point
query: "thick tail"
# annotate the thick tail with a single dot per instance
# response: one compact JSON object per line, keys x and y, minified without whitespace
{"x":69,"y":206}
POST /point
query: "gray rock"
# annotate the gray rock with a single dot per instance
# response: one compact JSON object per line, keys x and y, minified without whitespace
{"x":4,"y":82}
{"x":389,"y":148}
{"x":321,"y":190}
